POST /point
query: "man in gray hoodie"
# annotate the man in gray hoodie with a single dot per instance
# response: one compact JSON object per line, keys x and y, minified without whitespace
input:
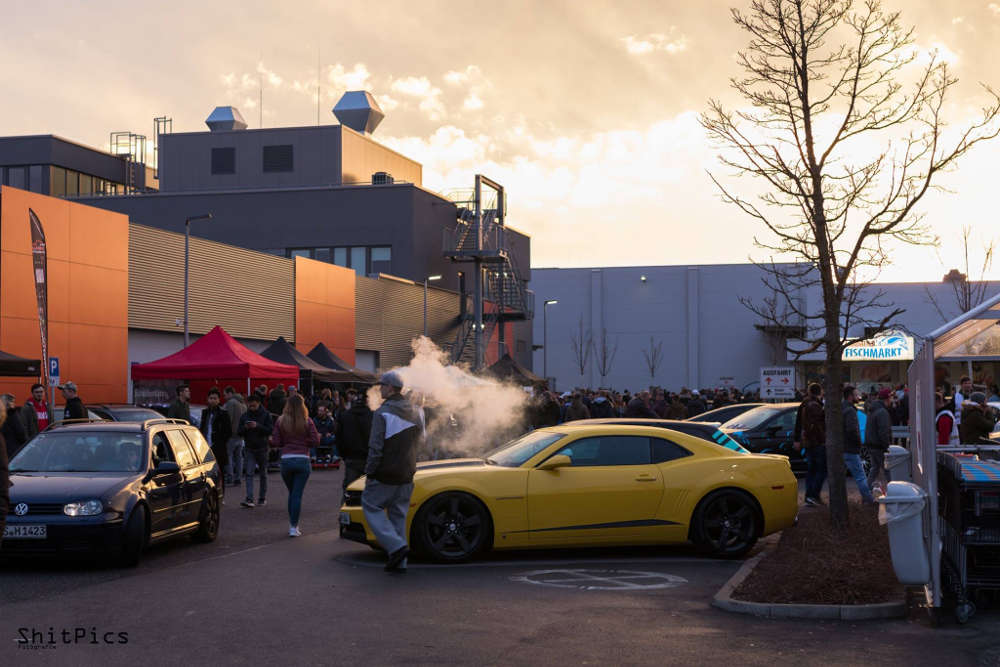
{"x":396,"y":435}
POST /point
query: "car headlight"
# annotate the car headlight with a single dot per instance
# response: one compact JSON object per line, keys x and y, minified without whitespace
{"x":84,"y":508}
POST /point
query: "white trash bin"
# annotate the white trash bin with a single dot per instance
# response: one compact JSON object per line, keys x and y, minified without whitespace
{"x":897,"y":462}
{"x":902,"y":508}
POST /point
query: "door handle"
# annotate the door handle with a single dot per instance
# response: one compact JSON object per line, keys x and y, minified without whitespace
{"x":645,"y":478}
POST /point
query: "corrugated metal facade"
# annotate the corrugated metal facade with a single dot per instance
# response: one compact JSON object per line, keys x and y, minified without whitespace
{"x":390,"y":314}
{"x":262,"y":308}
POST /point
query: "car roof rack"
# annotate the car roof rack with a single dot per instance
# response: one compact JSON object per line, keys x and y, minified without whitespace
{"x":79,"y":420}
{"x":164,"y":420}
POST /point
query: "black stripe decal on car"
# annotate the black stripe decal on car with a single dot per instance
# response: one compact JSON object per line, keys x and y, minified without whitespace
{"x":613,"y":524}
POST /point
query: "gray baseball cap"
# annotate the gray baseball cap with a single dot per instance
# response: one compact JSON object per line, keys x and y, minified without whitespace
{"x":69,"y":384}
{"x":391,"y":379}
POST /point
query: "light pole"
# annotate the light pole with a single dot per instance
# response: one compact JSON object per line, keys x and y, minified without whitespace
{"x":428,"y":278}
{"x":187,"y":254}
{"x":545,"y":337}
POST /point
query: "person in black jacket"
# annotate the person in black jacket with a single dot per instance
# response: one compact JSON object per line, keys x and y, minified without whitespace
{"x":354,"y":427}
{"x":216,"y":427}
{"x":852,"y":443}
{"x":14,"y":433}
{"x":74,"y":406}
{"x":255,"y":427}
{"x":397,"y":431}
{"x":4,"y":476}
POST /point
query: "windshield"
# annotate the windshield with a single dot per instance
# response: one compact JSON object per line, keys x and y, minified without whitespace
{"x":751,"y":419}
{"x":77,"y":451}
{"x":516,"y":452}
{"x":135,"y":414}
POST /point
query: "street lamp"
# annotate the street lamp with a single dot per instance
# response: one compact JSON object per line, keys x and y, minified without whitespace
{"x":187,"y":254}
{"x":426,"y":280}
{"x":545,"y":336}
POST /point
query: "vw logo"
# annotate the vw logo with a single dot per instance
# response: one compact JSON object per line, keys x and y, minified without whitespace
{"x":21,"y":509}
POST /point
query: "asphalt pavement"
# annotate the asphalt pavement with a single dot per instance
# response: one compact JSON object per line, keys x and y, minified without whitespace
{"x":257,"y":595}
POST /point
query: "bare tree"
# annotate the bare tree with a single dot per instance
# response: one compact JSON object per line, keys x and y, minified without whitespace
{"x":605,"y":355}
{"x":844,"y":150}
{"x":653,"y":356}
{"x":583,"y":345}
{"x":967,"y":291}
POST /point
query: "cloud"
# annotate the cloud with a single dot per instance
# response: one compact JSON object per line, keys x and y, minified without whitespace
{"x":269,"y":76}
{"x":343,"y":79}
{"x":420,"y":88}
{"x":671,"y":44}
{"x":994,"y":7}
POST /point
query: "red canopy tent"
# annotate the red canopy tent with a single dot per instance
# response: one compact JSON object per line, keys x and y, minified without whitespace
{"x":217,"y":358}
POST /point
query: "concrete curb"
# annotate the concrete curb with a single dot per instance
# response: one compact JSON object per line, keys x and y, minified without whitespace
{"x":842,"y":612}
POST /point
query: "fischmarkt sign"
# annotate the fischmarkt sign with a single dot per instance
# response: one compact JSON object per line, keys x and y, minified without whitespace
{"x":777,"y":382}
{"x":886,"y":346}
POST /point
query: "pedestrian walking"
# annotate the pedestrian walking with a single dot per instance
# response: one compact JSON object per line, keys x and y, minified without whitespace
{"x":878,"y":437}
{"x":13,"y":427}
{"x":327,"y":429}
{"x":180,"y":408}
{"x":397,"y":431}
{"x":852,"y":444}
{"x":639,"y":407}
{"x":813,"y":430}
{"x":35,"y":413}
{"x":696,"y":405}
{"x":577,"y":410}
{"x":216,"y":428}
{"x":234,"y":407}
{"x":963,"y":392}
{"x":976,"y":425}
{"x":354,"y":427}
{"x":74,"y":405}
{"x":944,"y":422}
{"x":276,"y":400}
{"x":602,"y":407}
{"x":294,"y":436}
{"x":256,"y":427}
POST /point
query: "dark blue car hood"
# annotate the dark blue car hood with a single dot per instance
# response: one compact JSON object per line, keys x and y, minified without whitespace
{"x":49,"y":487}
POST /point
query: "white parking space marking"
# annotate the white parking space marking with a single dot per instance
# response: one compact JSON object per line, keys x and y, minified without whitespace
{"x":601,"y":580}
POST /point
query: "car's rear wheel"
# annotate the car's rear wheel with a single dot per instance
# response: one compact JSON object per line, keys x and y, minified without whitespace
{"x":725,"y":524}
{"x":134,"y":539}
{"x":208,"y":520}
{"x":451,"y":527}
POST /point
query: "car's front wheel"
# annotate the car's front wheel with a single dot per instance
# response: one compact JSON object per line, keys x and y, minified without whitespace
{"x":208,"y":520}
{"x":134,"y":540}
{"x":725,"y":524}
{"x":451,"y":527}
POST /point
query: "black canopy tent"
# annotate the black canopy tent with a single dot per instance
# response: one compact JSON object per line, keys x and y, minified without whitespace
{"x":12,"y":365}
{"x":309,"y":370}
{"x":322,"y":355}
{"x":508,"y":370}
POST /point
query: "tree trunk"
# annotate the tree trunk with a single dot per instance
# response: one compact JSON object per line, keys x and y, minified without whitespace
{"x":835,"y":431}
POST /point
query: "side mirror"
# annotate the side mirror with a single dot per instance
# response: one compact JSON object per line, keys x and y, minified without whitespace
{"x":167,"y":467}
{"x":557,"y":461}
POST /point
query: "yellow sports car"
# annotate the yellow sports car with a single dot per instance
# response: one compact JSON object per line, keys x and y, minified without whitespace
{"x":592,"y":485}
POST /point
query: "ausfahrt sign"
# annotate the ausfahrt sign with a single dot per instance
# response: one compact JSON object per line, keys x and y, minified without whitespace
{"x":777,"y":382}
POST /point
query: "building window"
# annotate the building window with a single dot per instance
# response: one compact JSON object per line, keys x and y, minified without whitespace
{"x":340,"y":256}
{"x":358,"y":260}
{"x":223,"y":160}
{"x":300,"y":252}
{"x":72,"y":183}
{"x":86,"y":185}
{"x":57,"y":182}
{"x":278,"y":158}
{"x":381,"y":259}
{"x":322,"y":255}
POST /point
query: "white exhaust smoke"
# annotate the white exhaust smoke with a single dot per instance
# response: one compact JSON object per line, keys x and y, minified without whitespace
{"x":467,"y":415}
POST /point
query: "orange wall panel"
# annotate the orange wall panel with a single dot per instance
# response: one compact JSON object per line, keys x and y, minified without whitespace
{"x":87,"y":252}
{"x":324,"y":307}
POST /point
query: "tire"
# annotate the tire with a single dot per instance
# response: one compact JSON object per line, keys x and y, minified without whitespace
{"x":208,"y":519}
{"x":134,"y":539}
{"x":726,"y":524}
{"x":452,"y":527}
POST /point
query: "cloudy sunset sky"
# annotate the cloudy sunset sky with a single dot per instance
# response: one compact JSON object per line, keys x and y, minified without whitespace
{"x":586,"y":111}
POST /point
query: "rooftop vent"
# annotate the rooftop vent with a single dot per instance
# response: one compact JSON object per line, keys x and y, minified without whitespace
{"x":225,"y":119}
{"x":358,"y":110}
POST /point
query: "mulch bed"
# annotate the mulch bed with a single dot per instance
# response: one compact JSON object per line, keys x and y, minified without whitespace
{"x":814,"y":565}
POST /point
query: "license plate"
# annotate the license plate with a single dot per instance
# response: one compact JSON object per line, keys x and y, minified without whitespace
{"x":25,"y":532}
{"x":345,"y":519}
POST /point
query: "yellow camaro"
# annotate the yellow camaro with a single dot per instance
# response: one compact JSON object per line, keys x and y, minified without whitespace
{"x":577,"y":485}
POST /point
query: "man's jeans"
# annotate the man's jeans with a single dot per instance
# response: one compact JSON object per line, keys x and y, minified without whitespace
{"x":234,"y":467}
{"x":256,"y":457}
{"x":385,"y":507}
{"x":295,"y":473}
{"x":857,"y":469}
{"x":816,"y":474}
{"x":877,"y":457}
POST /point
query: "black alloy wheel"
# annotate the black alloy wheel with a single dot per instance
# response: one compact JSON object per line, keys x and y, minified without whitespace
{"x":726,"y":524}
{"x":208,"y":520}
{"x":452,"y":527}
{"x":134,"y":539}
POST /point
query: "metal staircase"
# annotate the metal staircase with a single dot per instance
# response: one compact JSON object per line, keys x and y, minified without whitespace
{"x":500,"y":294}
